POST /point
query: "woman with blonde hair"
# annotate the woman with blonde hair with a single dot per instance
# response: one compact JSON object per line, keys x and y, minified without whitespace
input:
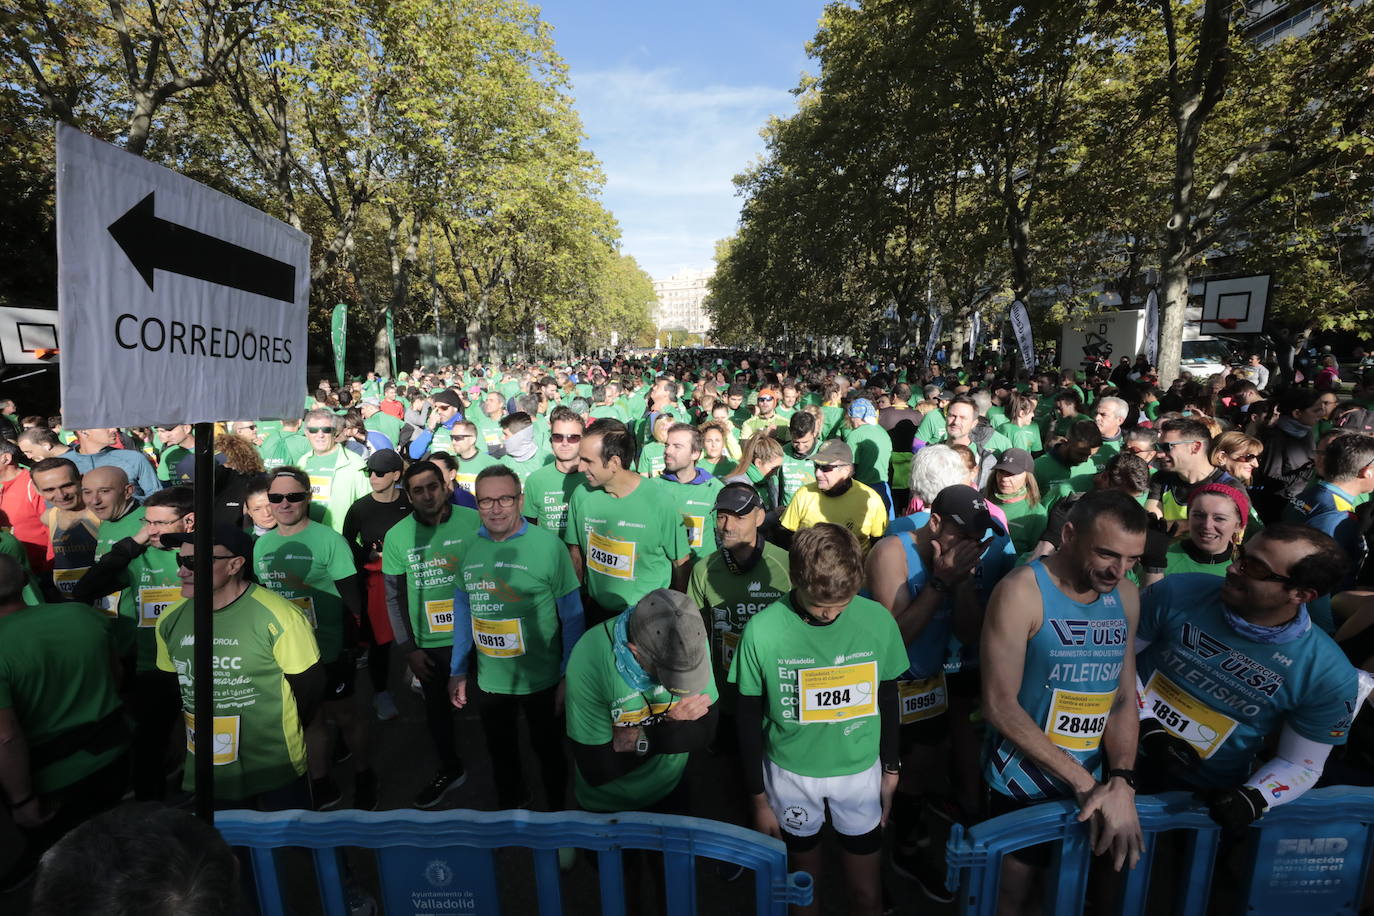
{"x":1238,"y":454}
{"x":759,"y":462}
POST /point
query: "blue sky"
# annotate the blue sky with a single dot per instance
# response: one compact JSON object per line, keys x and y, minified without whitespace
{"x":672,"y":97}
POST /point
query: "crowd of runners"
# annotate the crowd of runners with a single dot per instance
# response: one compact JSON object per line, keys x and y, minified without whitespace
{"x":892,"y":597}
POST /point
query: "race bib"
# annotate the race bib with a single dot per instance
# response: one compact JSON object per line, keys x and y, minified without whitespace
{"x":226,"y":738}
{"x":153,"y":601}
{"x":66,"y":579}
{"x":319,"y":487}
{"x":498,"y":638}
{"x":307,"y":606}
{"x":1187,"y":717}
{"x":610,"y":557}
{"x":440,"y":615}
{"x":696,"y":527}
{"x":109,"y":605}
{"x":1077,"y":720}
{"x":729,"y":643}
{"x":839,"y":693}
{"x":466,"y":482}
{"x":924,"y":699}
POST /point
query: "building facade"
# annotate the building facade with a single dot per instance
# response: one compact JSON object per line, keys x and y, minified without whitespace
{"x":681,"y":299}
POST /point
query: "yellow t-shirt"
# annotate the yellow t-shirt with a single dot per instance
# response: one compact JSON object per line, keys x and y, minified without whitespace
{"x":859,"y":509}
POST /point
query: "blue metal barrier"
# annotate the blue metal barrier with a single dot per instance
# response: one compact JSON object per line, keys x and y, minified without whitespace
{"x":1308,"y":856}
{"x":444,"y":861}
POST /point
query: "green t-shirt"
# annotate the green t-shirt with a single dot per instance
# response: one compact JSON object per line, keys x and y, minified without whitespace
{"x":696,"y":502}
{"x":120,"y":605}
{"x":489,"y":432}
{"x":152,"y":586}
{"x":468,"y":468}
{"x":511,"y":588}
{"x":932,"y":430}
{"x":728,"y":600}
{"x":721,"y":469}
{"x":387,"y":425}
{"x":547,"y":493}
{"x":1109,"y":449}
{"x":650,"y":461}
{"x":598,"y":700}
{"x":523,"y":469}
{"x":258,"y":742}
{"x":282,"y":448}
{"x":820,"y":684}
{"x":796,"y":473}
{"x":1026,"y":522}
{"x":1178,"y":560}
{"x":629,"y":545}
{"x":167,"y":466}
{"x":872,"y":448}
{"x":1049,"y":470}
{"x":55,"y":673}
{"x":303,"y":568}
{"x":832,"y":421}
{"x":755,"y":425}
{"x":1023,"y":437}
{"x":429,"y":557}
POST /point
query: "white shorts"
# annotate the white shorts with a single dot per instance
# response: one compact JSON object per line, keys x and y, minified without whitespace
{"x":855,"y":801}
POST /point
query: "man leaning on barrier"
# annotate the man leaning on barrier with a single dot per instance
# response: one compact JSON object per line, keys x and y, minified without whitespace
{"x":1226,"y":663}
{"x":1055,"y":654}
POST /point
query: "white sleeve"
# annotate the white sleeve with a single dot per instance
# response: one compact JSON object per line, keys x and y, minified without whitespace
{"x":1292,"y":771}
{"x":1140,"y":646}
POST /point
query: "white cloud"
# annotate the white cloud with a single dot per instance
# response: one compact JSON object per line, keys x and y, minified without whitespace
{"x":670,"y":151}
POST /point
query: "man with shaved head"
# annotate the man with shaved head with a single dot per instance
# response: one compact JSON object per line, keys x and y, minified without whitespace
{"x":107,"y":492}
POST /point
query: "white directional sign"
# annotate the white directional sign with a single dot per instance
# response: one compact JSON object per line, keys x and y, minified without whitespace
{"x":178,"y":304}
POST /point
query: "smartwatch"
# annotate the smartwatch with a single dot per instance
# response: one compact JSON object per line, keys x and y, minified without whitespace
{"x":1127,"y":775}
{"x":642,"y":746}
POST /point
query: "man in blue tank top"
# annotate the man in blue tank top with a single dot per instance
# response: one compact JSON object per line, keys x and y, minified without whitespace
{"x":1055,"y":657}
{"x":1227,"y":663}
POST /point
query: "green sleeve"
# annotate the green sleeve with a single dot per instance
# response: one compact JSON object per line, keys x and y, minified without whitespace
{"x":340,"y":558}
{"x":696,"y":586}
{"x":564,"y":576}
{"x":589,"y":720}
{"x":572,"y":534}
{"x":679,"y":547}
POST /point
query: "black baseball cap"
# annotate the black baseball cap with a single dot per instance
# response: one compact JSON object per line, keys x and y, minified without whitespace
{"x":384,"y":461}
{"x":965,"y":507}
{"x":235,"y":540}
{"x":1015,"y":461}
{"x":448,"y":397}
{"x":738,"y":499}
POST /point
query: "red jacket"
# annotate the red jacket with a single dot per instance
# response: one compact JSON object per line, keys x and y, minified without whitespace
{"x":21,"y":510}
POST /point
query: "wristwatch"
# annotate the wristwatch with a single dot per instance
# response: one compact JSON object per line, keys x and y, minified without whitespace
{"x":642,"y":745}
{"x":1127,"y":775}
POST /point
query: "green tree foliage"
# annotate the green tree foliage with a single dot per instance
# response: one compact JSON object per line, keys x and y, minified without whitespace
{"x":954,"y":155}
{"x":430,"y":149}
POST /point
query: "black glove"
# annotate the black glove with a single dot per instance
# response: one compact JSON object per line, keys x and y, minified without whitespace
{"x":1165,"y":749}
{"x":1157,"y":543}
{"x":1235,"y":809}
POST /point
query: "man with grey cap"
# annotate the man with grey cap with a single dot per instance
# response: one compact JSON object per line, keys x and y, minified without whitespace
{"x":640,"y":697}
{"x":837,"y":497}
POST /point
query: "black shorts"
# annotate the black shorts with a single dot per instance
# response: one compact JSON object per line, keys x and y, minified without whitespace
{"x":925,"y":733}
{"x":338,"y":677}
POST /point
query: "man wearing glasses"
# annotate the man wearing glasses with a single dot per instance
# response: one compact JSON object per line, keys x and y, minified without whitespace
{"x":267,"y":673}
{"x":767,"y":420}
{"x":837,"y":497}
{"x":549,"y":489}
{"x":335,"y":473}
{"x":143,"y":566}
{"x":1225,"y":663}
{"x":472,"y":455}
{"x":311,"y":566}
{"x":517,"y":604}
{"x":445,"y":413}
{"x":1185,"y":447}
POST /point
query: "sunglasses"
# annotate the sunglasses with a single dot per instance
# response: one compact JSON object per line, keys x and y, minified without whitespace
{"x":1170,"y":446}
{"x":827,"y":468}
{"x":1245,"y":459}
{"x":565,"y":437}
{"x":320,"y":429}
{"x":299,"y":496}
{"x":765,"y":399}
{"x":1260,"y":574}
{"x":189,"y":562}
{"x":371,"y":472}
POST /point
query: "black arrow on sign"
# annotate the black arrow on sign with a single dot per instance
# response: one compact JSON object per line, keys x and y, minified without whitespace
{"x":157,"y":244}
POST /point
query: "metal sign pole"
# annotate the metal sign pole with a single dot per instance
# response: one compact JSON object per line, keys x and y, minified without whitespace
{"x":204,"y":732}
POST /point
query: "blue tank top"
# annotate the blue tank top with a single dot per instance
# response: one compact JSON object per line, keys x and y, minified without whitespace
{"x":1073,"y":668}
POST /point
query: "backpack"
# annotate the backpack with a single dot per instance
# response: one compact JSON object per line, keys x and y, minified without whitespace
{"x":1359,"y":420}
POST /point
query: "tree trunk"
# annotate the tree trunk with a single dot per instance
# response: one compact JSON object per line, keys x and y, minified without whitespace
{"x":1173,"y":300}
{"x":381,"y":351}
